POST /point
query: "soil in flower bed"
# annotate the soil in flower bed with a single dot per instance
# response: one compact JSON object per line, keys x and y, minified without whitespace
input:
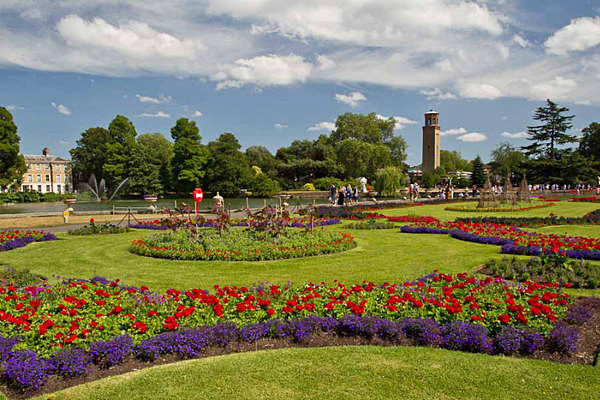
{"x":588,"y":344}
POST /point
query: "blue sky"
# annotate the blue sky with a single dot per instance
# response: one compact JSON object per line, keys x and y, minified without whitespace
{"x":273,"y":71}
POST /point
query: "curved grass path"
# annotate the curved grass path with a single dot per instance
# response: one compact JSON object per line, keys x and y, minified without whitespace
{"x":386,"y":255}
{"x":349,"y":373}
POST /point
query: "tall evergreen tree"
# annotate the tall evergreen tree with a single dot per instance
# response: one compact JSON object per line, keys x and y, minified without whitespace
{"x":12,"y":164}
{"x":589,"y":146}
{"x":189,"y":156}
{"x":479,"y":176}
{"x":551,"y":133}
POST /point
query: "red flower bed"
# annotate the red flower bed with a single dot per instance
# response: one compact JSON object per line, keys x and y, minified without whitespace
{"x":82,"y":312}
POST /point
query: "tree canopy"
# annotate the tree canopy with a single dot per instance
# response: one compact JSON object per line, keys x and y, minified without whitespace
{"x":189,"y":156}
{"x":12,"y":164}
{"x":551,"y":133}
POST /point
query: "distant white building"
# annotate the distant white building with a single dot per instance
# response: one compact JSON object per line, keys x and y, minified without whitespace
{"x":47,"y":173}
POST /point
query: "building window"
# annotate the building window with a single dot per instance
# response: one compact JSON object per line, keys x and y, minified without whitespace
{"x":29,"y":178}
{"x":39,"y":188}
{"x":47,"y":178}
{"x":39,"y":178}
{"x":58,"y":188}
{"x":47,"y":188}
{"x":58,"y":167}
{"x":47,"y":166}
{"x":38,"y":167}
{"x":57,"y":177}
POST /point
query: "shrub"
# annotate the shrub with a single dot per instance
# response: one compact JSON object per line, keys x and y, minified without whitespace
{"x":98,"y":229}
{"x":325,"y":183}
{"x":388,"y":180}
{"x":309,"y":186}
{"x":262,"y":186}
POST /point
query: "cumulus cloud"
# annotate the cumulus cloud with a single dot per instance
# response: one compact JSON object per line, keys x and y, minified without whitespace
{"x":158,"y":114}
{"x":437,"y":94}
{"x":325,"y":62}
{"x":280,"y":126}
{"x":13,"y":107}
{"x":557,"y":88}
{"x":155,"y":100}
{"x":263,"y":71}
{"x":521,"y":41}
{"x":456,"y":131}
{"x":581,"y":34}
{"x":401,"y":122}
{"x":480,"y":91}
{"x":322,"y":126}
{"x":472,"y":137}
{"x":197,"y":113}
{"x":352,"y":100}
{"x":61,"y":109}
{"x":515,"y":135}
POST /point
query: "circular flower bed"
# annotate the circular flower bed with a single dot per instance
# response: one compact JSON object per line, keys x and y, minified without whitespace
{"x":240,"y":245}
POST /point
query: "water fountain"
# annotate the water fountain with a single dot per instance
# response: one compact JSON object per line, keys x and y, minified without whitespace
{"x":99,"y":189}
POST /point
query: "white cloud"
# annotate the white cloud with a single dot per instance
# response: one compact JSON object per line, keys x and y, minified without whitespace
{"x":158,"y":114}
{"x":437,"y":94}
{"x":557,"y":88}
{"x":401,"y":122}
{"x":197,"y":113}
{"x":134,"y":39}
{"x":456,"y":131}
{"x":352,"y":100}
{"x":64,"y":142}
{"x":280,"y":126}
{"x":515,"y":135}
{"x":155,"y":100}
{"x":472,"y":137}
{"x":263,"y":71}
{"x":581,"y":34}
{"x":322,"y":126}
{"x":61,"y":109}
{"x":325,"y":62}
{"x":521,"y":41}
{"x":12,"y":107}
{"x":480,"y":91}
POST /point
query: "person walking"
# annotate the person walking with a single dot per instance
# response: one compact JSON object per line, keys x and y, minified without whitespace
{"x":341,"y":196}
{"x":332,"y":193}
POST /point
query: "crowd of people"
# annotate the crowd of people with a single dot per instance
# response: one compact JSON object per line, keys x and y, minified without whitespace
{"x":344,"y":195}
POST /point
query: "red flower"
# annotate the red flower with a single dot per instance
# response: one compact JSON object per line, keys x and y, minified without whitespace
{"x":270,"y":311}
{"x":504,"y":318}
{"x":92,"y":220}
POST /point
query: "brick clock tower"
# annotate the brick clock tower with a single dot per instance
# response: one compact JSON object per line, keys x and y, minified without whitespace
{"x":431,"y":141}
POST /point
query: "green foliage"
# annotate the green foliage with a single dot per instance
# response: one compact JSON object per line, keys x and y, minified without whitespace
{"x":359,"y":158}
{"x":589,"y":146}
{"x":262,"y":186}
{"x":506,"y":159}
{"x":89,"y":156}
{"x":371,"y":224}
{"x":326,"y":182}
{"x":119,"y":151}
{"x":452,"y":161}
{"x":430,"y":179}
{"x":570,"y":167}
{"x":552,"y":133}
{"x":28,"y":197}
{"x":388,"y":180}
{"x":228,"y":169}
{"x":309,"y":187}
{"x":189,"y":156}
{"x":12,"y":164}
{"x":150,"y":166}
{"x":98,"y":229}
{"x":262,"y":158}
{"x":479,"y":176}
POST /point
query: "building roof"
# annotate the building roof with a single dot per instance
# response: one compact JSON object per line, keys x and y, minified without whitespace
{"x":431,"y":112}
{"x":35,"y":158}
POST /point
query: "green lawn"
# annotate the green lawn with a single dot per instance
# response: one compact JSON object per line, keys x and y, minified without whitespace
{"x":562,"y":208}
{"x":349,"y":373}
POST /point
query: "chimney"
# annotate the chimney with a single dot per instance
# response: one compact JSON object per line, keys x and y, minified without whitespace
{"x":46,"y":152}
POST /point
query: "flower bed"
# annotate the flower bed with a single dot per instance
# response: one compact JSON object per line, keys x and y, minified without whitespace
{"x":98,"y":229}
{"x":371,"y":224}
{"x":241,"y":245}
{"x":498,"y":209}
{"x":512,"y":239}
{"x":589,"y":199}
{"x":553,"y":268}
{"x":166,"y":224}
{"x":67,"y":328}
{"x":532,"y":222}
{"x":10,"y":240}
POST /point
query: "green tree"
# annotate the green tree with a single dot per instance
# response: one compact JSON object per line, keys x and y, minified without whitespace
{"x":507,"y":159}
{"x":388,"y":180}
{"x":89,"y":156}
{"x":150,"y":169}
{"x":189,"y":156}
{"x":359,"y":158}
{"x":551,"y":133}
{"x":371,"y":129}
{"x":261,"y":157}
{"x":228,"y":169}
{"x":262,"y":186}
{"x":12,"y":164}
{"x":119,"y":151}
{"x":479,"y":176}
{"x":452,"y":161}
{"x":589,"y":146}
